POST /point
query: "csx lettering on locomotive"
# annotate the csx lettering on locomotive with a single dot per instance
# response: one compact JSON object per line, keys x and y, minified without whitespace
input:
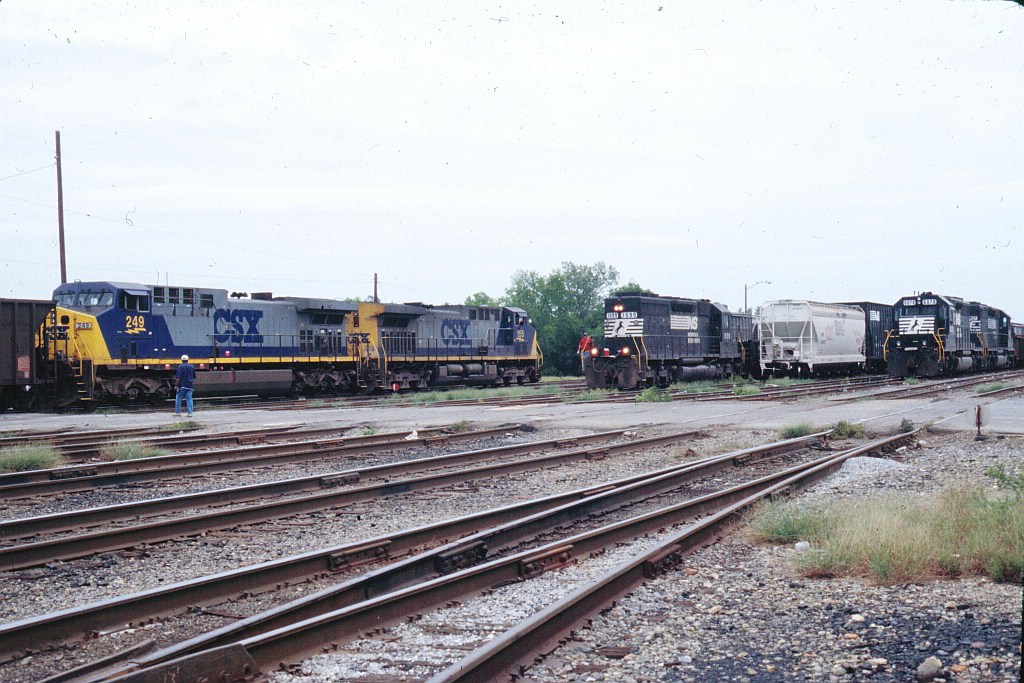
{"x":237,"y":326}
{"x":455,"y":332}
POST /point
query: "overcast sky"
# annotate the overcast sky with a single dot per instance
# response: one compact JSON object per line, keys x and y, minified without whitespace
{"x":840,"y":150}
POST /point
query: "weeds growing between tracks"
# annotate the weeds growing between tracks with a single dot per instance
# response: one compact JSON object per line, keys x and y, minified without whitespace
{"x":25,"y":458}
{"x":961,"y":531}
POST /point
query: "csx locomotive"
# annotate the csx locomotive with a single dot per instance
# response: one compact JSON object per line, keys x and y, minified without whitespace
{"x":939,"y":335}
{"x":123,"y":342}
{"x":650,"y":340}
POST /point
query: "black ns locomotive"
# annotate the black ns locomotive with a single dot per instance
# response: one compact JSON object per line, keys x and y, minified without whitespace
{"x":651,"y":340}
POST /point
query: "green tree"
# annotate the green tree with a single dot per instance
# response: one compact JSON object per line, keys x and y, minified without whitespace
{"x":482,"y":299}
{"x":633,"y":288}
{"x":562,"y":306}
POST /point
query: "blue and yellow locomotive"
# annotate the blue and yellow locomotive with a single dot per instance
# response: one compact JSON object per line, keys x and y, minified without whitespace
{"x":123,"y":342}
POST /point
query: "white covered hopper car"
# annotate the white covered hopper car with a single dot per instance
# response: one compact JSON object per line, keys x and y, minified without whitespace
{"x":810,"y":338}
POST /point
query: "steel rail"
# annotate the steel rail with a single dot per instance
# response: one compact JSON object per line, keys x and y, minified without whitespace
{"x":33,"y":554}
{"x":295,"y":641}
{"x":67,"y":438}
{"x":95,"y":475}
{"x":240,"y":438}
{"x":508,"y":524}
{"x":507,"y":655}
{"x":64,"y":521}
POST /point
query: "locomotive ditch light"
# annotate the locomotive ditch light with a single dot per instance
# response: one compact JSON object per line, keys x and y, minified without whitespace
{"x":594,"y":351}
{"x":625,"y":350}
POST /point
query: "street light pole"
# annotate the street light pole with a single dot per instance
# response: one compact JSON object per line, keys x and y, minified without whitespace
{"x":746,"y":287}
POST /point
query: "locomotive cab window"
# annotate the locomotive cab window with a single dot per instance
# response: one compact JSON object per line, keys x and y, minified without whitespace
{"x":135,"y":302}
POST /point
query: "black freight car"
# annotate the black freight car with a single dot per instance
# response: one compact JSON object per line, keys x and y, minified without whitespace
{"x":22,"y":384}
{"x":878,"y":322}
{"x":650,"y":340}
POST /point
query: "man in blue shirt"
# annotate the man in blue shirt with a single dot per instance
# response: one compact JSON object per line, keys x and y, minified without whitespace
{"x":185,"y":379}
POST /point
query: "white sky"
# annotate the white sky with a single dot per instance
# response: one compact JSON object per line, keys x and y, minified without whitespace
{"x":842,"y":151}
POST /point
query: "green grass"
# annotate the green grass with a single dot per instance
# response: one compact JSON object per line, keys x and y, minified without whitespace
{"x":25,"y":458}
{"x":181,"y":426}
{"x":906,"y":426}
{"x":590,"y":395}
{"x":797,"y":430}
{"x":653,"y":395}
{"x":370,"y":431}
{"x":789,"y":381}
{"x":130,"y":450}
{"x":746,"y":390}
{"x":847,"y":430}
{"x":991,"y":386}
{"x":892,"y":539}
{"x":428,"y":397}
{"x":460,"y":426}
{"x":911,"y":381}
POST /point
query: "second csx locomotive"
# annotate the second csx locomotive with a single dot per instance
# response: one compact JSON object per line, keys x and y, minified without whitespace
{"x":651,"y":340}
{"x":123,"y":341}
{"x":939,"y":335}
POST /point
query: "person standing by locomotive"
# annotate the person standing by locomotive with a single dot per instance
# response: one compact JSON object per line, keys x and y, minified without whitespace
{"x":185,"y":380}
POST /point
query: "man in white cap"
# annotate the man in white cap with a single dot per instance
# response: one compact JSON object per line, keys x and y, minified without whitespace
{"x":185,"y":380}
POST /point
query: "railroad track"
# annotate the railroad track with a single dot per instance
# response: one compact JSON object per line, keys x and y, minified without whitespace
{"x":304,"y":495}
{"x":462,"y":569}
{"x":950,"y":384}
{"x":88,"y":476}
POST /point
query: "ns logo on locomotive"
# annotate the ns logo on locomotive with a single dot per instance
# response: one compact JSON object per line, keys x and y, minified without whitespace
{"x":116,"y":341}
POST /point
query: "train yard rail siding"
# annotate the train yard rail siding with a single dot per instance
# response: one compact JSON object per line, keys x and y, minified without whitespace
{"x":32,"y":526}
{"x":491,"y":529}
{"x":32,"y":554}
{"x":94,"y":475}
{"x":948,"y":384}
{"x":705,"y":516}
{"x":507,"y":655}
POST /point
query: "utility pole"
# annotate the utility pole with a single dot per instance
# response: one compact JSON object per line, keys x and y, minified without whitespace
{"x":60,"y":216}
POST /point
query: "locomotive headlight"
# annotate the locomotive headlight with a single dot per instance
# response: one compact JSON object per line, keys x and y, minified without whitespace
{"x":618,"y":308}
{"x":625,"y":350}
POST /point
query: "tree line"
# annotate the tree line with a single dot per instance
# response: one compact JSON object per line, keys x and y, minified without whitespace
{"x":563,"y":305}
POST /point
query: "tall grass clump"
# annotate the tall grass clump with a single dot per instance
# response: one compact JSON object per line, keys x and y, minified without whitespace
{"x":991,"y":386}
{"x":458,"y":427}
{"x":130,"y":450}
{"x":653,"y":395}
{"x":890,"y":539}
{"x":796,"y":430}
{"x":746,"y":390}
{"x":847,"y":430}
{"x":906,"y":426}
{"x":25,"y":458}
